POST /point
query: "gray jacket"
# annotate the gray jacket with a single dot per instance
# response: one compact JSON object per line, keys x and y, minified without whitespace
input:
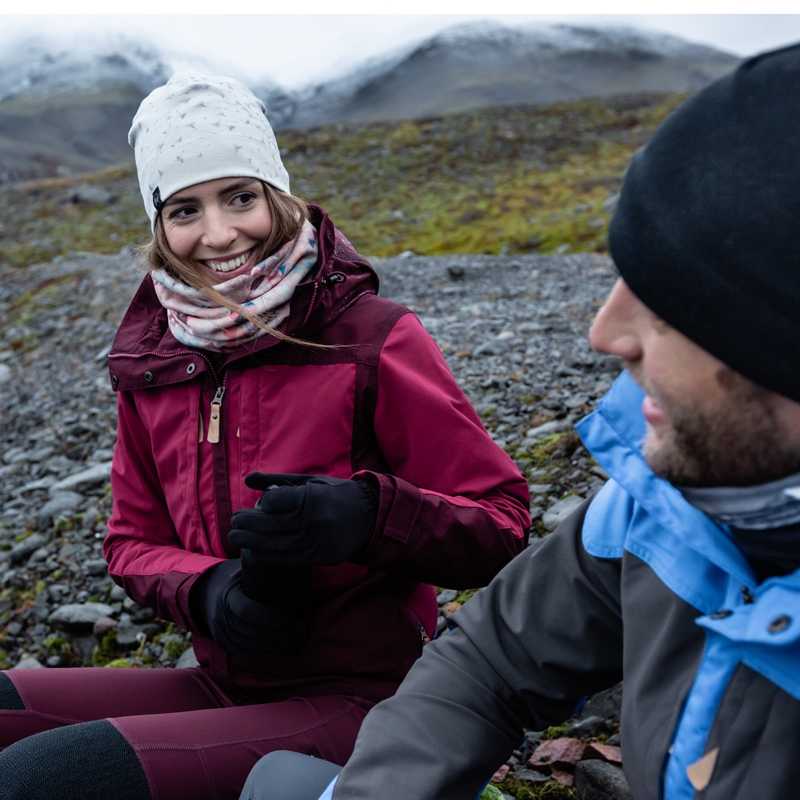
{"x":636,"y":584}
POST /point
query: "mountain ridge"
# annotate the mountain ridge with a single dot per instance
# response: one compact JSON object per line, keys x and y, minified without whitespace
{"x":64,"y":113}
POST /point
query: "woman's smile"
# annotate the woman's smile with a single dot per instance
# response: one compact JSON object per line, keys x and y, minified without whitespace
{"x":231,"y":266}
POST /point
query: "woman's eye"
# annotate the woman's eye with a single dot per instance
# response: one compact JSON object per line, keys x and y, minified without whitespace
{"x":243,"y":199}
{"x":184,"y":212}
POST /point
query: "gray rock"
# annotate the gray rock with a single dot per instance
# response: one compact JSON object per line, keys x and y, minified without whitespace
{"x":559,"y":511}
{"x":96,"y":567}
{"x":601,"y":780}
{"x":187,"y":659}
{"x":494,"y":347}
{"x":79,"y":617}
{"x":23,"y":550}
{"x":129,"y":634}
{"x":88,"y":195}
{"x":39,"y":554}
{"x":587,"y":728}
{"x":32,"y":486}
{"x":32,"y":456}
{"x":86,"y":479}
{"x":59,"y":465}
{"x":58,"y":591}
{"x":610,"y":203}
{"x":118,"y":594}
{"x":606,"y":704}
{"x":29,"y":663}
{"x":61,"y":504}
{"x":83,"y":648}
{"x":531,"y":776}
{"x":103,"y":626}
{"x":556,"y":426}
{"x":5,"y":373}
{"x":446,"y":596}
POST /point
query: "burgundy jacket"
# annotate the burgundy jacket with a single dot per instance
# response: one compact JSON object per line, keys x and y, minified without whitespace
{"x":383,"y":407}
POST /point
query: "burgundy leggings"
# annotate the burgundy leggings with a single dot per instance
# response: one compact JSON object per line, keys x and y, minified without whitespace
{"x":190,"y":740}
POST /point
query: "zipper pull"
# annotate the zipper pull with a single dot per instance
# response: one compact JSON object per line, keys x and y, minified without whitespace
{"x":423,"y":634}
{"x":216,"y":411}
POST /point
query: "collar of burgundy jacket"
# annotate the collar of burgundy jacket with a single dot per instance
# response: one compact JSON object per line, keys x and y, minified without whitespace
{"x":145,"y":353}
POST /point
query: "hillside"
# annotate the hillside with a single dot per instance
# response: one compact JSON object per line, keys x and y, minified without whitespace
{"x":512,"y":180}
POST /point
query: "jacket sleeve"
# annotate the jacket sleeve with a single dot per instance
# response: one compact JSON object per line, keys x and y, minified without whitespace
{"x":543,"y":634}
{"x":144,"y":553}
{"x":454,"y":509}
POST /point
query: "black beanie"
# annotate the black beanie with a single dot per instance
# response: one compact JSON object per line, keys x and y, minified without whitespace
{"x":707,"y":229}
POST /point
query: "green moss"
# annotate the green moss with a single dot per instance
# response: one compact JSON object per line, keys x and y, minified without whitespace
{"x":61,"y":525}
{"x":533,"y":791}
{"x":106,"y":652}
{"x":554,"y":732}
{"x":56,"y":645}
{"x":175,"y":648}
{"x":119,"y":663}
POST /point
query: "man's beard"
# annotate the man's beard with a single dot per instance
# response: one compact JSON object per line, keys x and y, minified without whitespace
{"x":738,"y":443}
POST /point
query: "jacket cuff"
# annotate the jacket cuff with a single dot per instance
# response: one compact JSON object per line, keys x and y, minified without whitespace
{"x":399,"y":505}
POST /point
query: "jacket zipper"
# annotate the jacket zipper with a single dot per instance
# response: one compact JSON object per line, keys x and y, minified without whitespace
{"x":216,"y":413}
{"x":423,"y":634}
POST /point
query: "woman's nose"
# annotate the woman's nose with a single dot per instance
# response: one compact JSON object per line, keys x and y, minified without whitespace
{"x":615,"y":329}
{"x":218,"y":232}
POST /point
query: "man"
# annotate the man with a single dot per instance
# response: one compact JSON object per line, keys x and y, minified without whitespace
{"x":681,"y":575}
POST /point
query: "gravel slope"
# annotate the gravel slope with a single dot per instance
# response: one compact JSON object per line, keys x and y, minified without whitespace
{"x":513,"y":331}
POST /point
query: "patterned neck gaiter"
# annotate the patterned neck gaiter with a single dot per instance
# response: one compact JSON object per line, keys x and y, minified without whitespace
{"x":265,"y":291}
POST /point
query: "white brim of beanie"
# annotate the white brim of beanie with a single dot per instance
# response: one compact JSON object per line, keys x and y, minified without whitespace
{"x":207,"y":158}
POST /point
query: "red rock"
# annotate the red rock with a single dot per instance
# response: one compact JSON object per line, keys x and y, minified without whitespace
{"x":606,"y":752}
{"x":564,"y":778}
{"x":561,"y":754}
{"x":500,"y":775}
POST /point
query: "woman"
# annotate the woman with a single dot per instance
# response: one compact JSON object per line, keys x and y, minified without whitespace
{"x":254,"y":356}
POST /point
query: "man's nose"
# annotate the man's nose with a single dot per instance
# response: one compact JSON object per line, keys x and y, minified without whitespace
{"x":614,"y":329}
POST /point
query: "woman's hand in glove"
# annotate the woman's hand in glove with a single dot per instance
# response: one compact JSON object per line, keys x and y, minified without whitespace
{"x":307,"y":519}
{"x":242,"y":626}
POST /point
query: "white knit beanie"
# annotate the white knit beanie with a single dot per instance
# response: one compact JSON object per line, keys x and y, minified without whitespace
{"x":198,"y":128}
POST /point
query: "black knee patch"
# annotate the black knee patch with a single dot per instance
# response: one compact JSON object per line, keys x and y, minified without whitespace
{"x":9,"y":696}
{"x":88,"y":761}
{"x":285,"y":775}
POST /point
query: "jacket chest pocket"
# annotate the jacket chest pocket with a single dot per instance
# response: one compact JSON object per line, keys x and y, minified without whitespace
{"x":281,"y":418}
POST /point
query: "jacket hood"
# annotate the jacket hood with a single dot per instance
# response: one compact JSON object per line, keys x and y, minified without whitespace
{"x":145,"y":353}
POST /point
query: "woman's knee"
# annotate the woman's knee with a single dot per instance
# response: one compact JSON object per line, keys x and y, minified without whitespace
{"x":284,"y":775}
{"x":87,"y":761}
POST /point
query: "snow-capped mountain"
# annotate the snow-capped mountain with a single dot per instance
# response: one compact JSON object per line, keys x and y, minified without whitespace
{"x":480,"y":64}
{"x":65,"y":106}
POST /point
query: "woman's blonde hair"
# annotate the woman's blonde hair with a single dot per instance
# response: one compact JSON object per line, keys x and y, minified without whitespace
{"x":288,"y":212}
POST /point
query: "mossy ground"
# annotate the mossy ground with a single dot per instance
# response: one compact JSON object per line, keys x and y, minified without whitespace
{"x":533,"y":791}
{"x":512,"y":179}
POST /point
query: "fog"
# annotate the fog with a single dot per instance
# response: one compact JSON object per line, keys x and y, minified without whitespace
{"x":296,"y":50}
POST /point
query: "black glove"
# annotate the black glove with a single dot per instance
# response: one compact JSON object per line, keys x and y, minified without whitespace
{"x":242,"y":626}
{"x":307,"y":519}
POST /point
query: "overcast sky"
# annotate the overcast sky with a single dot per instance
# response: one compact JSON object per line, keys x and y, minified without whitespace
{"x":294,"y":50}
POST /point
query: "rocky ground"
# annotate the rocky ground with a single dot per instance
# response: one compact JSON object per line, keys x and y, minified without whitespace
{"x":513,"y":330}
